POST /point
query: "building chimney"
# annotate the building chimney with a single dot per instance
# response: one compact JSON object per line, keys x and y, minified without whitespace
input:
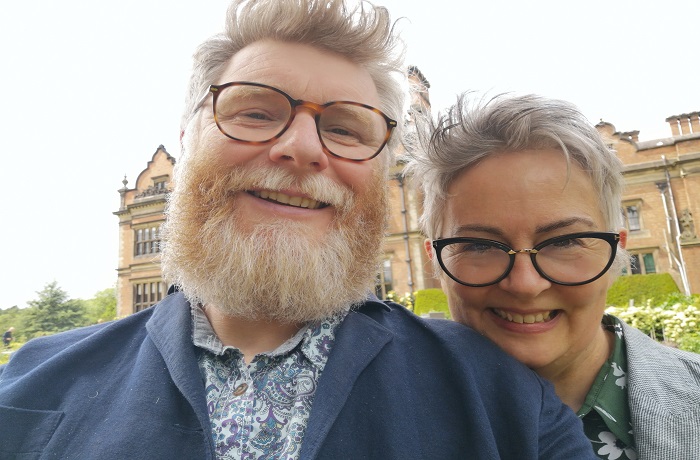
{"x":695,"y":122}
{"x":673,"y":123}
{"x":685,"y":126}
{"x":630,"y":136}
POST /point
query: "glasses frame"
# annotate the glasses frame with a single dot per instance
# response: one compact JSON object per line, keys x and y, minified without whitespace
{"x":609,"y":237}
{"x":317,"y":109}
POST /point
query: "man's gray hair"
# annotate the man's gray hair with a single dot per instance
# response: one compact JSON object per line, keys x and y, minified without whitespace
{"x":475,"y":128}
{"x":363,"y":34}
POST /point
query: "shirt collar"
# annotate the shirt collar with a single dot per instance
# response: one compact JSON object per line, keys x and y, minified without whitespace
{"x":608,"y":394}
{"x":314,"y":339}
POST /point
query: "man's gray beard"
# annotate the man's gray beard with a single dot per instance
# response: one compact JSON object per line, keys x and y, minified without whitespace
{"x":274,"y":271}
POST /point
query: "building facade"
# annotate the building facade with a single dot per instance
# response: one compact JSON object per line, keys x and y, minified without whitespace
{"x":405,"y":264}
{"x":661,"y":198}
{"x":141,"y":213}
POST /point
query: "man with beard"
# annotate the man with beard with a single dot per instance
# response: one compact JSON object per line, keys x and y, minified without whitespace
{"x":273,"y":346}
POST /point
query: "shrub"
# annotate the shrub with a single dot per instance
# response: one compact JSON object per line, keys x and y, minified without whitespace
{"x":690,"y":342}
{"x":641,"y":288}
{"x":431,"y":300}
{"x":675,"y":324}
{"x":406,"y":300}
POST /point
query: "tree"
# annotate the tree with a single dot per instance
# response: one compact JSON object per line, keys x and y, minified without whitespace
{"x":102,"y":307}
{"x":53,"y":312}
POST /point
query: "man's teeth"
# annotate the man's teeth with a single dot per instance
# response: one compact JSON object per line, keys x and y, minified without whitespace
{"x":524,"y":319}
{"x":280,"y":197}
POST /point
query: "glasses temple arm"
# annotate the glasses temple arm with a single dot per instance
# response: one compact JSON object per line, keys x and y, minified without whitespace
{"x":200,"y":103}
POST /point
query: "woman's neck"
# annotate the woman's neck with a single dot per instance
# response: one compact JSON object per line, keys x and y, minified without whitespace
{"x":573,"y":376}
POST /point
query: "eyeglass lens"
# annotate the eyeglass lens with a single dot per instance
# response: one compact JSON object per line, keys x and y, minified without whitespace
{"x":258,"y":114}
{"x":572,"y":260}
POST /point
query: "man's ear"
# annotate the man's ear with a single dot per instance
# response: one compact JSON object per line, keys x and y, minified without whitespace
{"x":428,"y":248}
{"x":623,"y":238}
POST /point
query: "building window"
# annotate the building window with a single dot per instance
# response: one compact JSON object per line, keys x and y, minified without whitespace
{"x":148,"y":294}
{"x":160,"y":185}
{"x":147,"y":240}
{"x":641,"y":264}
{"x":648,"y":263}
{"x":632,"y":218}
{"x":385,"y":282}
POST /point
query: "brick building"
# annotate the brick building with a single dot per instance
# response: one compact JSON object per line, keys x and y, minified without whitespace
{"x":139,"y":281}
{"x":662,"y":194}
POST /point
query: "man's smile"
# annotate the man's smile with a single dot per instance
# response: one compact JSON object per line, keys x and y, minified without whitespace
{"x":282,"y":198}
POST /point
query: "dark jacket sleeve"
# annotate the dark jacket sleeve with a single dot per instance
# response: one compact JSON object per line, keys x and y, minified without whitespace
{"x":561,"y":431}
{"x":397,"y":386}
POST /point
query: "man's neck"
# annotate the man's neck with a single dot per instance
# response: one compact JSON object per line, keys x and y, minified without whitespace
{"x":251,"y":337}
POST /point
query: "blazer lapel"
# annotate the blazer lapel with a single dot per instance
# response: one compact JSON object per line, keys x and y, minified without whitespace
{"x":358,"y":341}
{"x":170,"y":329}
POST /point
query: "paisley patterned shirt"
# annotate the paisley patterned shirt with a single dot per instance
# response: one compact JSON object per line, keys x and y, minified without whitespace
{"x":260,"y":410}
{"x":605,"y":413}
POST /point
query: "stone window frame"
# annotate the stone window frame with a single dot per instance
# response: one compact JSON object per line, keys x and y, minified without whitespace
{"x":637,"y":204}
{"x":642,"y":257}
{"x":385,"y":278}
{"x":147,"y":293}
{"x":147,"y":239}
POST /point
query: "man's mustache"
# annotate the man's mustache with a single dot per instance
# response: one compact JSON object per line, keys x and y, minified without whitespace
{"x":240,"y":179}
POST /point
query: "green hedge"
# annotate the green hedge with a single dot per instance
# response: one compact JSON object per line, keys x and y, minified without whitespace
{"x":430,"y":300}
{"x":642,"y":288}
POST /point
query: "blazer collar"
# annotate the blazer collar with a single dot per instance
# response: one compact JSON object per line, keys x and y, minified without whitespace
{"x":170,"y":329}
{"x":358,"y":341}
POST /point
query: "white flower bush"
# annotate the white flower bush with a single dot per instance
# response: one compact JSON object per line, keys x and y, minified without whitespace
{"x":675,"y":324}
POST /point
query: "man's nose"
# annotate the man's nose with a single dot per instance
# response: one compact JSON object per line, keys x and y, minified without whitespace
{"x":300,"y":146}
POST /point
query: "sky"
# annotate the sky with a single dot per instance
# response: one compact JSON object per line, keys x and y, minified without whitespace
{"x":91,"y":89}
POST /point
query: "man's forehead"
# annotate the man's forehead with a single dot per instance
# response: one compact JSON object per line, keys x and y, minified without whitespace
{"x":303,"y":71}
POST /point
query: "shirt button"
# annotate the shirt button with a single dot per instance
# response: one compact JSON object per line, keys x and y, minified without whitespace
{"x":240,"y":389}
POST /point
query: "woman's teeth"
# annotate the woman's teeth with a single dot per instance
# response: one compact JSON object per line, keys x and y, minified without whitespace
{"x":525,"y":319}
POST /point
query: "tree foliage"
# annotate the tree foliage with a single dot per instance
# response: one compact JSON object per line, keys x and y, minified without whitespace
{"x":102,"y":307}
{"x":13,"y":317}
{"x":54,"y":312}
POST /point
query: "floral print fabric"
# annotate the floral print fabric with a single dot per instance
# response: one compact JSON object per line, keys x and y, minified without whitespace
{"x":605,"y":413}
{"x":260,"y":410}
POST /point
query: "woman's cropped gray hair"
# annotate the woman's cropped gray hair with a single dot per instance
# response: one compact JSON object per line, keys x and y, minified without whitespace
{"x":363,"y":34}
{"x":475,"y":128}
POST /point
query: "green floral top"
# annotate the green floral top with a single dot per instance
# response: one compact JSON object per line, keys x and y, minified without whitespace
{"x":605,"y":413}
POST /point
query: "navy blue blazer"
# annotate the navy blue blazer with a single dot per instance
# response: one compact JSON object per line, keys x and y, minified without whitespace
{"x":395,"y":387}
